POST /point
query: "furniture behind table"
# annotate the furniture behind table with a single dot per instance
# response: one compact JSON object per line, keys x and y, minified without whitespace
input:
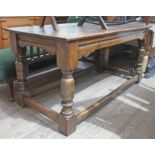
{"x":14,"y":21}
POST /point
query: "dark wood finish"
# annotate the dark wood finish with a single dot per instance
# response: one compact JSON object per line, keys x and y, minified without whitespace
{"x":102,"y":58}
{"x":44,"y":88}
{"x":67,"y":119}
{"x":84,"y":35}
{"x":116,"y":69}
{"x":69,"y":44}
{"x":46,"y":83}
{"x":50,"y":84}
{"x":42,"y":21}
{"x":11,"y":90}
{"x":99,"y":18}
{"x":148,"y":42}
{"x":141,"y":55}
{"x":59,"y":19}
{"x":106,"y":56}
{"x":38,"y":107}
{"x":53,"y":22}
{"x":21,"y":72}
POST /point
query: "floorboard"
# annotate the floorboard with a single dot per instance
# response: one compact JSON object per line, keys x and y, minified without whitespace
{"x":130,"y":115}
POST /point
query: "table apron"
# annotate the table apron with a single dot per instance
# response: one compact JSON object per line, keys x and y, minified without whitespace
{"x":51,"y":49}
{"x":49,"y":44}
{"x":88,"y":48}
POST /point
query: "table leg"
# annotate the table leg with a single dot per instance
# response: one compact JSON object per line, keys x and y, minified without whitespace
{"x":140,"y":59}
{"x":21,"y":75}
{"x":102,"y":58}
{"x":67,"y":60}
{"x":67,"y":119}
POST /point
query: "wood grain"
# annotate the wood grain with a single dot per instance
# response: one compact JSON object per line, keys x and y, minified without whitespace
{"x":71,"y":31}
{"x":71,"y":43}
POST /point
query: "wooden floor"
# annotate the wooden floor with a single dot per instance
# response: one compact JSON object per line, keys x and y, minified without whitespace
{"x":130,"y":115}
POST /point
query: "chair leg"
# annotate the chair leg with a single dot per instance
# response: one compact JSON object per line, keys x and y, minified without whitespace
{"x":11,"y":90}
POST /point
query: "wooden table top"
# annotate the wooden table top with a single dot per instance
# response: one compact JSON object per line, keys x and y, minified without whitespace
{"x":70,"y":31}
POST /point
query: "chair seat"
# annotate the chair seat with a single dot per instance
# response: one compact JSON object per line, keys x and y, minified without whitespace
{"x":7,"y":64}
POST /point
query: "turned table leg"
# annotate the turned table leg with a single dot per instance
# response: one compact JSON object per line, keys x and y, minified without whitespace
{"x":140,"y":59}
{"x":67,"y":118}
{"x":21,"y":75}
{"x":67,"y":61}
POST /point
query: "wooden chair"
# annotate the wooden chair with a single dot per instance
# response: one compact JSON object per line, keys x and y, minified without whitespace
{"x":37,"y":60}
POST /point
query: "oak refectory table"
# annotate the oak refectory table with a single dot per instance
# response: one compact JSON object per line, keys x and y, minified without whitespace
{"x":70,"y":43}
